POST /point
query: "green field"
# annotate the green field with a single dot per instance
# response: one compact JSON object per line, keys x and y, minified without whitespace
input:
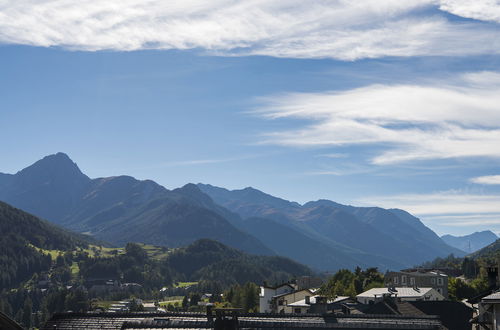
{"x":184,"y":284}
{"x":154,"y":252}
{"x":174,"y":300}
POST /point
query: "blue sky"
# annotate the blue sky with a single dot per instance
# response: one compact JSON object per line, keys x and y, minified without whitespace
{"x":387,"y":103}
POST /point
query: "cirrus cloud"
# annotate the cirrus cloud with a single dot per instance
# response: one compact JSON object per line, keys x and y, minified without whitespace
{"x":487,"y":179}
{"x":412,"y":122}
{"x":340,"y":29}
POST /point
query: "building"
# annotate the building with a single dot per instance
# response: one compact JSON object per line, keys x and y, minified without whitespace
{"x":488,"y":312}
{"x":99,"y":285}
{"x":267,"y":293}
{"x":316,"y":304}
{"x":428,"y":279}
{"x":149,"y":307}
{"x":376,"y":295}
{"x":282,"y":303}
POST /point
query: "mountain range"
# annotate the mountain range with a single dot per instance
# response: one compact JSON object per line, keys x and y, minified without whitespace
{"x":24,"y":235}
{"x":472,"y":242}
{"x":322,"y":234}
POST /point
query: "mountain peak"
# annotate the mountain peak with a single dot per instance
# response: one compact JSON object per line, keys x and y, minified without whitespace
{"x":55,"y":165}
{"x":471,"y":242}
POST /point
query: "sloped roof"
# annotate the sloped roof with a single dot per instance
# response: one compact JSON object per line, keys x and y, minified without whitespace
{"x":493,"y":296}
{"x":293,"y":292}
{"x":278,"y":286}
{"x":8,"y":323}
{"x":454,"y":315}
{"x":302,"y":303}
{"x":401,"y":292}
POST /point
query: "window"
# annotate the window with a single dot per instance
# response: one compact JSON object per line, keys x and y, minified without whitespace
{"x":412,"y":280}
{"x":280,"y":302}
{"x":433,"y":280}
{"x":440,"y":281}
{"x":297,"y":311}
{"x":403,"y":279}
{"x":396,"y":280}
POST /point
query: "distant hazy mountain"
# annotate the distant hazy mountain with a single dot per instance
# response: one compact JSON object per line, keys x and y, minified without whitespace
{"x":117,"y":209}
{"x":377,"y":233}
{"x":322,"y":234}
{"x":472,"y":242}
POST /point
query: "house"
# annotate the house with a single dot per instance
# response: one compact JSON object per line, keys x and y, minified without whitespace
{"x":419,"y":278}
{"x":268,"y":292}
{"x":488,"y":312}
{"x":150,"y":307}
{"x":281,"y":303}
{"x":400,"y":293}
{"x":131,"y":287}
{"x":99,"y":285}
{"x":316,"y":304}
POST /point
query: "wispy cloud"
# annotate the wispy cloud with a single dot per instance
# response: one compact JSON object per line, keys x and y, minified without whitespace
{"x":488,"y":179}
{"x":196,"y":162}
{"x":334,"y":155}
{"x":484,"y":10}
{"x":439,"y":203}
{"x":413,"y":122}
{"x":346,"y":30}
{"x":465,"y":220}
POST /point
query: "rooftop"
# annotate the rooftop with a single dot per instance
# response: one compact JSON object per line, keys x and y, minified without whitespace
{"x":492,"y":297}
{"x":112,"y":321}
{"x":312,"y":300}
{"x":400,"y":292}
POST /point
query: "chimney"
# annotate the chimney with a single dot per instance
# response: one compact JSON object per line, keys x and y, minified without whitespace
{"x":492,"y":277}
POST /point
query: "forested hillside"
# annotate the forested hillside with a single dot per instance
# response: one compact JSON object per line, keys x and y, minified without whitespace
{"x":207,"y":260}
{"x":22,"y":237}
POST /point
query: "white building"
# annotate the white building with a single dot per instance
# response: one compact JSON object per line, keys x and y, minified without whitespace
{"x":306,"y":305}
{"x":267,"y":293}
{"x":403,"y":293}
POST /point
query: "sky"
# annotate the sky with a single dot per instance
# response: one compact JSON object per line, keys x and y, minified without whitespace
{"x":384,"y":103}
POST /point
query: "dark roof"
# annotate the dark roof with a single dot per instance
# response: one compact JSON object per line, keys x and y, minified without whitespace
{"x":292,"y":292}
{"x":173,"y":320}
{"x":453,"y":314}
{"x":278,"y":286}
{"x":390,"y":307}
{"x":7,"y":323}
